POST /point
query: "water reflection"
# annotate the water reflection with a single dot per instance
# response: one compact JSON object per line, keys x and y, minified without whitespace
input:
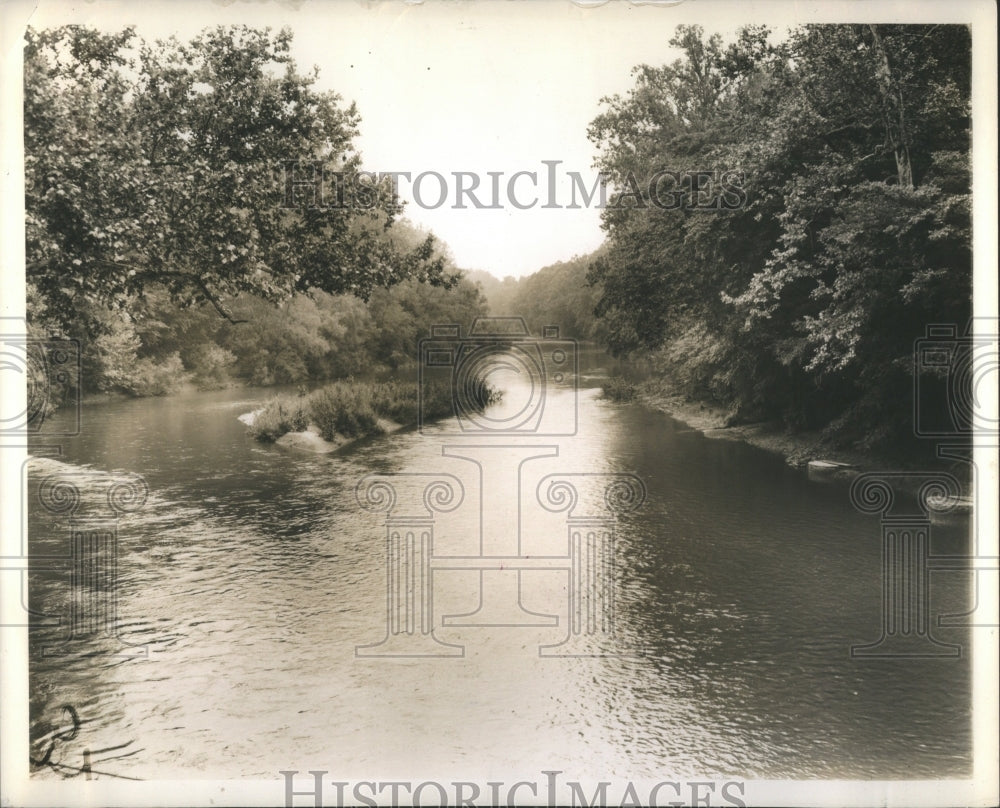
{"x":251,"y":575}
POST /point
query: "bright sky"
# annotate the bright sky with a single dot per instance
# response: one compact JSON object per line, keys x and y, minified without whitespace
{"x":479,"y":87}
{"x":466,"y":86}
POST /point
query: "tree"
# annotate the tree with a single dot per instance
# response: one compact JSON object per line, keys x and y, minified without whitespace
{"x":875,"y":239}
{"x":852,"y":142}
{"x":163,"y":165}
{"x":667,"y":264}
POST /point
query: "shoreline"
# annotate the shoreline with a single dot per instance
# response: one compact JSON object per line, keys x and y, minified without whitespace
{"x":796,"y":449}
{"x":111,"y":396}
{"x":805,"y":451}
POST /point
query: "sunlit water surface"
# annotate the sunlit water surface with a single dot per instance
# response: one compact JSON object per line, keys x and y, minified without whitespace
{"x":252,"y":574}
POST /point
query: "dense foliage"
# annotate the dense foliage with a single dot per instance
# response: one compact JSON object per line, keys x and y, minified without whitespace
{"x":160,"y":232}
{"x":789,"y":217}
{"x":169,"y":163}
{"x":158,"y":348}
{"x":852,"y":231}
{"x":554,"y":295}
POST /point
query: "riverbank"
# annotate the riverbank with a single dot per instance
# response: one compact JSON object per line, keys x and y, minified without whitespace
{"x":111,"y":396}
{"x":807,"y":450}
{"x":797,"y":449}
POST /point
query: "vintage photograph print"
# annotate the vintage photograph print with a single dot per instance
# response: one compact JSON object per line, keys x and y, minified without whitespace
{"x":498,"y":403}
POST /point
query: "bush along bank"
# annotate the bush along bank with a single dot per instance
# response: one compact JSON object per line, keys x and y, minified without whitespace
{"x":349,"y":410}
{"x":619,"y":389}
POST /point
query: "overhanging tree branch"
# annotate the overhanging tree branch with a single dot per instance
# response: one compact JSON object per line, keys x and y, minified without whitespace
{"x":217,"y":304}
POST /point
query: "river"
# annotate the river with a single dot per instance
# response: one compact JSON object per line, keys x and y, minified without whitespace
{"x":251,"y":576}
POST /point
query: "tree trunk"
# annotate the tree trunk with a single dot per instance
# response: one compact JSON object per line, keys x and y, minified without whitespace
{"x":895,"y":118}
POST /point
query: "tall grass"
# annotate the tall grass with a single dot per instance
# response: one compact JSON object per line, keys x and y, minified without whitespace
{"x":396,"y":401}
{"x":479,"y":394}
{"x":345,"y":408}
{"x":620,"y":389}
{"x":353,"y":409}
{"x":280,"y":415}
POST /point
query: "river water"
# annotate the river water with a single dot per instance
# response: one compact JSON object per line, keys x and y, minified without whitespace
{"x":250,"y":577}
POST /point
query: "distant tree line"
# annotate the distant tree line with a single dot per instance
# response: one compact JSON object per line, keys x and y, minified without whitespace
{"x":803,"y":302}
{"x":558,"y":294}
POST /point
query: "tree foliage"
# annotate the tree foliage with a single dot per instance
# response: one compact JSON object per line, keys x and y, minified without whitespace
{"x":852,"y":142}
{"x":161,"y":165}
{"x":557,"y":294}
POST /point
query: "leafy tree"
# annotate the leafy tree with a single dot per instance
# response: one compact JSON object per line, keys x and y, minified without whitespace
{"x":557,"y":294}
{"x":499,"y":293}
{"x":854,"y":232}
{"x":667,"y":259}
{"x":875,"y":240}
{"x":161,"y":165}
